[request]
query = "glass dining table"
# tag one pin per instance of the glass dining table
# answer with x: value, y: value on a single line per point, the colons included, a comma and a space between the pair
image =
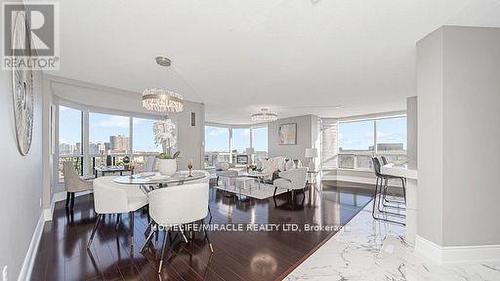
x: 150, y: 181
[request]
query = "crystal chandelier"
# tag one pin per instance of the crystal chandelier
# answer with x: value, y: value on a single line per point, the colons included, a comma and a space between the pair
x: 162, y: 100
x: 264, y: 115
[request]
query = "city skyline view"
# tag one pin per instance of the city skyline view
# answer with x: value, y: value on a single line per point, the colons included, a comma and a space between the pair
x: 359, y: 135
x: 101, y: 128
x: 217, y: 139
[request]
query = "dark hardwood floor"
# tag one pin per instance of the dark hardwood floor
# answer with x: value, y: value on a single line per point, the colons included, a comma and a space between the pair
x: 62, y: 253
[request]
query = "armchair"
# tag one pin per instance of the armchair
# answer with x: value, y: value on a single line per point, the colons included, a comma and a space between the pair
x: 73, y: 183
x: 291, y: 180
x: 270, y: 166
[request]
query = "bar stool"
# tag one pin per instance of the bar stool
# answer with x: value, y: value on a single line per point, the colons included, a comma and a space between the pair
x: 403, y: 182
x: 382, y: 198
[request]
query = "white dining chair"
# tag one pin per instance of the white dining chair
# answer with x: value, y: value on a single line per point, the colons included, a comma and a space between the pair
x: 114, y: 198
x: 175, y: 206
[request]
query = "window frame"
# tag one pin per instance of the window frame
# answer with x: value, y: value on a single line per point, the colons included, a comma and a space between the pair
x: 230, y: 140
x: 375, y: 151
x: 86, y: 157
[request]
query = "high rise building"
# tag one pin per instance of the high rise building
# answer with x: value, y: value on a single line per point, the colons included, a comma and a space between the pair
x: 119, y: 143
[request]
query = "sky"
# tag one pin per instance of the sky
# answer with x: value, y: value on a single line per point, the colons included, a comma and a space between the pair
x: 217, y: 139
x: 359, y: 135
x: 101, y: 126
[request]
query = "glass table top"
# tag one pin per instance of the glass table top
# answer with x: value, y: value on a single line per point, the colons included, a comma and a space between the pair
x: 156, y: 178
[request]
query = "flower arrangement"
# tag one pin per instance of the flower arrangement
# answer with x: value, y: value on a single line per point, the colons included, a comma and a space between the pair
x: 165, y: 136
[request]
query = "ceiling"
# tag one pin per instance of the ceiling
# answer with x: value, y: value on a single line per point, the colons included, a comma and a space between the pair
x: 294, y: 56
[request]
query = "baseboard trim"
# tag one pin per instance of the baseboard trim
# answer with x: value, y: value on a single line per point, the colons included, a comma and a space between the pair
x: 29, y: 259
x: 355, y: 179
x: 329, y: 178
x: 48, y: 212
x: 61, y: 196
x: 456, y: 254
x: 57, y: 197
x: 348, y: 179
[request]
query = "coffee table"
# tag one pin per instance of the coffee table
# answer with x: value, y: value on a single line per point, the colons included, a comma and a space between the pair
x: 241, y: 181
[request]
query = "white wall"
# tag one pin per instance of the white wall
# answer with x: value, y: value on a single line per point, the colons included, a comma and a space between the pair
x: 471, y: 135
x: 21, y: 176
x: 412, y: 131
x: 430, y: 137
x: 307, y: 136
x: 458, y: 136
x: 191, y: 139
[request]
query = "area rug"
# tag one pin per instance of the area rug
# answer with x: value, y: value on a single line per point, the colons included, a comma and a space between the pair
x: 263, y: 192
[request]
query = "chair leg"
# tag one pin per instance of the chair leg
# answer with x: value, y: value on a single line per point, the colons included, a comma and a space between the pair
x: 183, y: 235
x: 118, y: 217
x: 375, y: 198
x: 72, y: 200
x: 208, y: 240
x: 383, y: 191
x: 152, y: 231
x: 131, y: 218
x: 164, y: 246
x: 274, y: 196
x: 210, y: 214
x: 94, y: 230
x: 403, y: 182
x: 383, y: 188
x: 68, y: 196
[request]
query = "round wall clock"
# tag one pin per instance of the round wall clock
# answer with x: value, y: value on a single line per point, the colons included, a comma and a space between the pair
x: 22, y: 85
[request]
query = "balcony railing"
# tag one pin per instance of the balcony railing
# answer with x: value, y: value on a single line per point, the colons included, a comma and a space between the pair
x: 363, y: 160
x: 97, y: 160
x: 212, y: 158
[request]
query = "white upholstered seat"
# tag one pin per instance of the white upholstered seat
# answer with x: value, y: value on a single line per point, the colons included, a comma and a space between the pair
x: 114, y: 198
x: 178, y: 205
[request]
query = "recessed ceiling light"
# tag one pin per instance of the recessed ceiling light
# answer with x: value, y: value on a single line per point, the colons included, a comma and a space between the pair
x: 163, y: 61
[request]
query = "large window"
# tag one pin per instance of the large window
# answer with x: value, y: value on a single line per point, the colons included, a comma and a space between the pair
x: 241, y: 140
x: 144, y: 138
x: 391, y: 139
x: 108, y: 135
x: 87, y: 138
x: 143, y: 141
x: 359, y: 141
x: 70, y: 131
x: 70, y: 139
x: 356, y: 144
x: 259, y: 142
x: 216, y: 145
x: 226, y: 144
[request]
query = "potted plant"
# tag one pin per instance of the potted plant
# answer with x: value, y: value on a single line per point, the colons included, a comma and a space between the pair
x: 165, y: 136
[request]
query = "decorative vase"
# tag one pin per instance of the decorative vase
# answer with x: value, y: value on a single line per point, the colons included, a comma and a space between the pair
x: 167, y: 167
